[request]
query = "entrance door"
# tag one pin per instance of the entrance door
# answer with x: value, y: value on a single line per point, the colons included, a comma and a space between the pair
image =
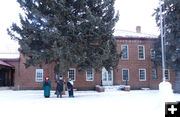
x: 107, y: 77
x: 2, y: 77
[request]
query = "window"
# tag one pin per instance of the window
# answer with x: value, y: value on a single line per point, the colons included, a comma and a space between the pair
x: 142, y: 74
x: 110, y: 75
x: 124, y: 51
x: 39, y: 75
x: 141, y: 52
x: 125, y: 74
x: 154, y: 74
x: 72, y: 73
x: 90, y: 75
x: 167, y: 75
x: 152, y: 53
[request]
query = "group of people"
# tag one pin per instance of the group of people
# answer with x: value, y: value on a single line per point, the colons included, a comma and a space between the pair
x: 59, y: 87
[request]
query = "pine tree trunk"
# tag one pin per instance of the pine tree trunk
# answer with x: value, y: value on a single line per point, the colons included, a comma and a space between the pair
x: 177, y: 82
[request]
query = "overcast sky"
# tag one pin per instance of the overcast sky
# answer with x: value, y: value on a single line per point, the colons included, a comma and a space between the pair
x: 137, y: 13
x: 132, y: 13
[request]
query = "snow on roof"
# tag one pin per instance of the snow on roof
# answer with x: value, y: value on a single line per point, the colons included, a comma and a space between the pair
x: 9, y: 55
x: 9, y: 50
x: 125, y: 33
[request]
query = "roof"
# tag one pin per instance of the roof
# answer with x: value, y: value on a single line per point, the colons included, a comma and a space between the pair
x: 5, y: 64
x: 13, y: 54
x: 130, y: 34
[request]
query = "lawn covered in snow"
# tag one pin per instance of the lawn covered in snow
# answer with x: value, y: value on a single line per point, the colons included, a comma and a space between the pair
x: 31, y: 103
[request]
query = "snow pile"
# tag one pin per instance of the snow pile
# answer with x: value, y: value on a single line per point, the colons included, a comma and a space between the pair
x: 85, y: 104
x: 166, y: 92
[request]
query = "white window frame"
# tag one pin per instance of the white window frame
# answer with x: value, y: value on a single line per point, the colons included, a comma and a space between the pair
x: 140, y: 75
x: 39, y: 72
x: 142, y: 53
x: 167, y: 78
x: 74, y: 73
x: 92, y: 76
x: 126, y: 52
x: 128, y: 74
x: 152, y: 53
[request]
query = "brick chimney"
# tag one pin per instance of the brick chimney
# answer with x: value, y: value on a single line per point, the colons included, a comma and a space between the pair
x: 138, y: 29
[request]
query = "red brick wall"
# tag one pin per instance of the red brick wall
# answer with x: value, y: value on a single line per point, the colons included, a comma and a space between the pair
x: 81, y: 83
x: 155, y: 83
x: 25, y: 78
x: 133, y: 64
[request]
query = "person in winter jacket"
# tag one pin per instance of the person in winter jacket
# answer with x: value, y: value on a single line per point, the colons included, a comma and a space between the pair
x: 59, y: 88
x: 70, y: 87
x: 47, y: 87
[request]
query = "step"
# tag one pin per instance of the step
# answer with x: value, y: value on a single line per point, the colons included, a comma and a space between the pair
x: 112, y: 88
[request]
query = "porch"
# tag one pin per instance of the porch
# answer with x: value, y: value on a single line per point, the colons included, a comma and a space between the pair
x: 6, y: 75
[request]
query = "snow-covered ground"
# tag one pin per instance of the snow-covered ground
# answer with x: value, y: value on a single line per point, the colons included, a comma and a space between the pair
x: 31, y: 103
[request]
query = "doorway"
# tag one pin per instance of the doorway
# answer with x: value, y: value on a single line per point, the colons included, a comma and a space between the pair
x: 2, y: 78
x: 107, y: 77
x: 6, y: 77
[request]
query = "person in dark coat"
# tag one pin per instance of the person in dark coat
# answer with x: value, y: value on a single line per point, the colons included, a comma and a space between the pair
x: 59, y: 88
x: 47, y: 87
x: 70, y: 87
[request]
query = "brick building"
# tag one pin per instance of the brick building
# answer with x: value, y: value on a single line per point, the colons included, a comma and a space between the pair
x: 135, y: 68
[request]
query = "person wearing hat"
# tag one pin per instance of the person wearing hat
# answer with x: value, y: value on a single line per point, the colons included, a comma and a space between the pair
x: 59, y: 88
x: 70, y: 87
x: 47, y: 87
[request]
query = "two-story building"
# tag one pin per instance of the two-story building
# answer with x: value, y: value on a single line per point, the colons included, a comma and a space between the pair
x: 135, y: 68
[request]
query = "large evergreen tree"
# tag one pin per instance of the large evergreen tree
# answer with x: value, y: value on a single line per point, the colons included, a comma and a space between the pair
x: 68, y: 33
x: 171, y: 22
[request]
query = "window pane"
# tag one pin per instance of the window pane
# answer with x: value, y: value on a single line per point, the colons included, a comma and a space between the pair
x: 39, y: 75
x: 89, y: 75
x: 109, y: 76
x: 142, y: 74
x: 71, y: 74
x: 124, y: 50
x: 167, y: 74
x: 152, y: 54
x: 104, y: 76
x: 154, y: 74
x: 141, y: 52
x: 125, y: 74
